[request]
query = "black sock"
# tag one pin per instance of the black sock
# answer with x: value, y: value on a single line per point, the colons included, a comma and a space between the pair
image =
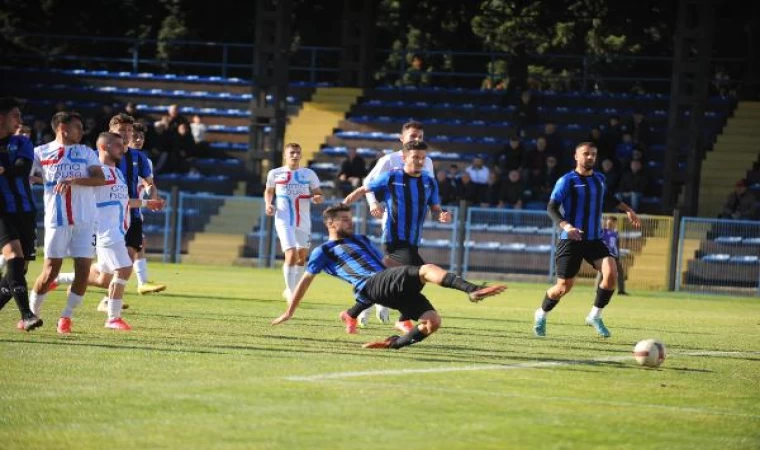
x: 5, y: 293
x: 357, y: 309
x: 603, y: 297
x: 17, y: 282
x: 548, y: 304
x: 451, y: 280
x: 412, y: 337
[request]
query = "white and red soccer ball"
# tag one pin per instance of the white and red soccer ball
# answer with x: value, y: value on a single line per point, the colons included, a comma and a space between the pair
x: 649, y: 353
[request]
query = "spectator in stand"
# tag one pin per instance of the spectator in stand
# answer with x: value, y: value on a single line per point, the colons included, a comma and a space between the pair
x: 512, y: 191
x: 371, y: 164
x: 740, y: 204
x: 184, y: 149
x: 493, y: 191
x: 453, y: 173
x: 416, y: 74
x: 163, y: 146
x: 543, y: 184
x: 479, y: 175
x: 535, y: 160
x: 555, y: 145
x: 632, y: 185
x: 91, y: 132
x: 175, y: 119
x: 103, y: 118
x: 131, y: 109
x: 624, y: 150
x: 352, y: 172
x: 512, y: 157
x: 611, y: 175
x: 612, y: 135
x: 721, y: 82
x: 199, y: 129
x: 595, y: 136
x: 526, y: 114
x: 39, y: 129
x: 640, y: 129
x: 448, y: 188
x: 469, y: 190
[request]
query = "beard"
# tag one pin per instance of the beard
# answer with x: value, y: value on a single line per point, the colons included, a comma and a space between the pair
x: 589, y: 166
x: 344, y: 233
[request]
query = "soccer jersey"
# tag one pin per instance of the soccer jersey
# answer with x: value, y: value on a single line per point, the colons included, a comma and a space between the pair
x: 134, y: 165
x: 353, y: 259
x: 15, y: 191
x: 408, y: 199
x: 389, y: 162
x: 112, y: 201
x: 76, y: 206
x: 582, y: 199
x: 292, y: 196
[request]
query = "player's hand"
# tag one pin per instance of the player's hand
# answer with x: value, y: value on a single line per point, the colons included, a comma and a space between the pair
x: 377, y: 211
x: 317, y: 198
x: 574, y: 233
x: 156, y: 204
x: 445, y: 217
x: 634, y: 218
x: 270, y: 210
x: 284, y: 317
x: 63, y: 185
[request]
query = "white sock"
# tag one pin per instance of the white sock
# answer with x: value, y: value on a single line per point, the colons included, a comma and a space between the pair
x: 141, y: 269
x: 35, y: 302
x: 595, y: 313
x: 364, y: 315
x: 291, y: 274
x: 541, y: 314
x: 2, y: 261
x: 72, y: 302
x: 299, y: 273
x: 65, y: 278
x: 114, y: 308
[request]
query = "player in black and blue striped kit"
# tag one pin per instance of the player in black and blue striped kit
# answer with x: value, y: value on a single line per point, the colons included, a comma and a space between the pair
x: 354, y: 259
x: 581, y: 194
x: 409, y: 193
x: 18, y: 227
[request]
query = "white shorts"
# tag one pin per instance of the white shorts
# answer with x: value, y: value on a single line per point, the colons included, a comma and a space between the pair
x: 74, y: 241
x: 112, y: 258
x: 293, y: 237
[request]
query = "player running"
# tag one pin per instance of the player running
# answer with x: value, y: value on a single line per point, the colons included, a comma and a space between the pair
x: 289, y: 192
x: 354, y: 259
x: 582, y: 193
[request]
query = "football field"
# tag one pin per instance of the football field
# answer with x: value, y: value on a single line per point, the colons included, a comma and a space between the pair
x: 203, y: 368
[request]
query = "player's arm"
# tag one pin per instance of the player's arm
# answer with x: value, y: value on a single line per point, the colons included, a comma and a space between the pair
x: 269, y: 193
x: 356, y: 194
x: 316, y: 191
x: 303, y: 286
x: 21, y: 167
x: 150, y: 187
x: 622, y: 206
x: 153, y: 204
x: 555, y: 200
x: 95, y: 177
x: 376, y: 186
x: 381, y: 167
x: 440, y: 214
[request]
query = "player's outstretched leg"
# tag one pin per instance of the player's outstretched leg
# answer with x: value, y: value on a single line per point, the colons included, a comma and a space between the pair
x: 604, y: 293
x: 430, y: 273
x: 551, y: 299
x: 115, y: 296
x: 429, y: 323
x: 349, y: 316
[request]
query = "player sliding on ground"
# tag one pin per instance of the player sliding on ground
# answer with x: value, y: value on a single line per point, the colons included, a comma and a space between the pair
x: 354, y: 259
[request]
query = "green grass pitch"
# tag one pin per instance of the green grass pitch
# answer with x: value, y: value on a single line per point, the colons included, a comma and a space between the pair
x: 204, y: 369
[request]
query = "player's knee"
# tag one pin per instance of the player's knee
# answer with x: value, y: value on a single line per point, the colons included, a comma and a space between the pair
x: 563, y: 287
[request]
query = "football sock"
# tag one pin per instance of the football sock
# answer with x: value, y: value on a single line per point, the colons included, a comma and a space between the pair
x: 595, y: 313
x: 35, y: 302
x: 114, y: 308
x: 603, y: 297
x: 5, y: 293
x: 547, y: 305
x: 140, y: 267
x: 288, y: 272
x: 451, y: 280
x: 412, y: 337
x: 72, y: 302
x: 357, y: 309
x: 297, y: 272
x: 14, y: 278
x: 65, y: 278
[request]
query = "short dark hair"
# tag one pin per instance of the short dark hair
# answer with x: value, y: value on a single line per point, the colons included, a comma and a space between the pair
x: 121, y: 118
x: 612, y: 218
x: 585, y: 144
x: 64, y: 117
x: 8, y: 103
x: 332, y: 212
x: 107, y: 136
x: 294, y: 145
x: 412, y: 124
x: 137, y: 127
x: 415, y: 145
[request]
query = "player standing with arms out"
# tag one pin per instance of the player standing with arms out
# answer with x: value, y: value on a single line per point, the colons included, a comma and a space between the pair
x: 582, y: 194
x: 409, y: 192
x: 18, y: 224
x: 70, y: 171
x: 113, y: 203
x: 410, y: 131
x: 289, y: 192
x: 354, y: 259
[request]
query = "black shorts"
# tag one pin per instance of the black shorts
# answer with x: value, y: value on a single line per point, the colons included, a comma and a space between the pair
x: 570, y: 255
x: 404, y: 253
x: 399, y: 288
x: 134, y: 236
x: 21, y: 226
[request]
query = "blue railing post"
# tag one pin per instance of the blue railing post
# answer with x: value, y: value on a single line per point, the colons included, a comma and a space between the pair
x: 454, y: 239
x: 466, y: 259
x: 180, y: 220
x: 224, y: 61
x: 679, y: 262
x: 167, y: 224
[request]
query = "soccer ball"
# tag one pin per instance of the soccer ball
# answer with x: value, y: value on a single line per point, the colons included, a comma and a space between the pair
x: 649, y: 353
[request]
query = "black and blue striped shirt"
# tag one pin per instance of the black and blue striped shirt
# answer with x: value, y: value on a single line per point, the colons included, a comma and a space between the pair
x: 134, y: 165
x: 582, y: 199
x: 407, y: 199
x: 15, y: 190
x: 353, y: 259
